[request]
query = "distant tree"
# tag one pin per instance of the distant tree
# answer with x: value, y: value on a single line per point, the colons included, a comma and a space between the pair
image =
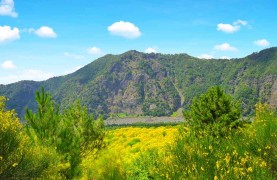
x: 214, y: 112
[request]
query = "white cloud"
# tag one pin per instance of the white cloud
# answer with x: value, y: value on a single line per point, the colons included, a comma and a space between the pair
x: 231, y: 28
x: 74, y: 56
x: 30, y: 74
x: 7, y: 8
x: 227, y: 28
x: 151, y: 50
x: 94, y: 50
x: 8, y: 34
x: 8, y: 65
x: 225, y: 47
x: 262, y: 42
x: 224, y: 57
x: 44, y: 32
x: 240, y: 22
x: 206, y: 56
x: 124, y: 29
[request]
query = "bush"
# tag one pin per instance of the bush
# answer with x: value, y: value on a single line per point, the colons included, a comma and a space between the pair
x: 214, y: 112
x: 10, y: 140
x: 246, y: 153
x: 18, y: 158
x: 264, y: 136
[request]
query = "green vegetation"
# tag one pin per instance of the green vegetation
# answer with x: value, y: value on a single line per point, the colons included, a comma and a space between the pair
x: 122, y: 115
x: 153, y: 107
x: 213, y: 144
x: 214, y: 112
x: 145, y: 84
x: 247, y: 151
x: 18, y: 156
x: 51, y: 144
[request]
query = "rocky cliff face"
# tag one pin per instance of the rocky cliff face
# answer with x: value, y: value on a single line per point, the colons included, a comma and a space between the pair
x: 154, y: 84
x: 137, y: 85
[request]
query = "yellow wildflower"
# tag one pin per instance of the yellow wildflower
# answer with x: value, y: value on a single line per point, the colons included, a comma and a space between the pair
x: 193, y: 167
x: 227, y: 158
x: 202, y: 168
x: 242, y: 173
x: 243, y: 161
x: 263, y: 164
x: 236, y: 170
x: 235, y: 153
x: 217, y: 164
x: 215, y: 178
x: 249, y: 169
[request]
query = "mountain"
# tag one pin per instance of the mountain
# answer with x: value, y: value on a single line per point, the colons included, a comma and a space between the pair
x: 154, y: 84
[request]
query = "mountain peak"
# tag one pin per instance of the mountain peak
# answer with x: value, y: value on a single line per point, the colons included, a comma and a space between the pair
x: 153, y: 84
x: 132, y: 52
x: 263, y: 55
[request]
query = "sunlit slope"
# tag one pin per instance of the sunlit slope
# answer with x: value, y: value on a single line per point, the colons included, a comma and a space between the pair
x: 154, y: 84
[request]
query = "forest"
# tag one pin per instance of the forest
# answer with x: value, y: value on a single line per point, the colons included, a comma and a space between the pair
x: 213, y: 142
x: 137, y: 83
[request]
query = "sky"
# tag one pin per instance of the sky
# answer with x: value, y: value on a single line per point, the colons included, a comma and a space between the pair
x: 46, y: 38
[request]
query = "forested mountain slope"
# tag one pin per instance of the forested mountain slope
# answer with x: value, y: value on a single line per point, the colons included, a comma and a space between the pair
x: 154, y: 84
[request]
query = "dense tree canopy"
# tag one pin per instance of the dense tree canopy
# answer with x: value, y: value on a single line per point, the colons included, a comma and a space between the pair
x: 214, y: 111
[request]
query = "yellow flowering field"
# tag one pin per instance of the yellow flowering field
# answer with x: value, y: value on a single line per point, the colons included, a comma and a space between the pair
x: 124, y: 146
x: 130, y: 141
x: 173, y: 152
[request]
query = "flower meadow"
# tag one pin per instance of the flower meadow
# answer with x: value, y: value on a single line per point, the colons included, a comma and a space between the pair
x: 143, y: 152
x: 174, y: 152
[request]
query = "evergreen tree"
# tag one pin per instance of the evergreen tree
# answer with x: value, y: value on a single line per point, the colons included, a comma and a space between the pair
x: 214, y: 112
x: 72, y: 133
x: 44, y: 123
x: 80, y: 134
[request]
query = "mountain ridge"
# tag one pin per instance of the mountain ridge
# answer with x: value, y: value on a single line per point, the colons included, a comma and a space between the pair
x: 150, y: 83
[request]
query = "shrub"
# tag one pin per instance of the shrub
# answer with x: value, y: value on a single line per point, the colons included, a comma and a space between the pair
x: 214, y: 112
x: 18, y: 158
x: 10, y: 140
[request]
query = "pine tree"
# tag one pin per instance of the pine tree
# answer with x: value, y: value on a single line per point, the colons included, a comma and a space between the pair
x: 214, y: 112
x: 44, y: 123
x: 72, y: 132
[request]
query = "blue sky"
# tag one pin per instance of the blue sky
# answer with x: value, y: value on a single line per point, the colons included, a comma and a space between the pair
x: 46, y: 38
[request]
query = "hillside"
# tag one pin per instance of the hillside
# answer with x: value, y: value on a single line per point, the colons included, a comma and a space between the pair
x: 154, y: 84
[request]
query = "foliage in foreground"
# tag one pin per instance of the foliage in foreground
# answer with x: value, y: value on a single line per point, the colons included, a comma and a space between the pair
x: 248, y: 151
x: 18, y: 158
x: 216, y: 146
x: 73, y: 133
x: 214, y: 112
x: 52, y: 144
